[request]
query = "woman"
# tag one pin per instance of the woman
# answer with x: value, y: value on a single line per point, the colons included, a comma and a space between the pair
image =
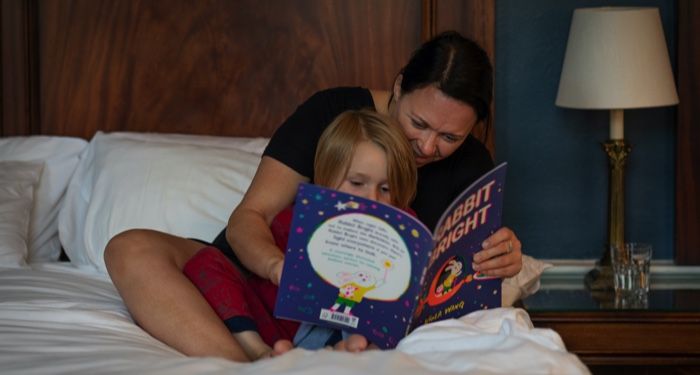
x: 438, y: 98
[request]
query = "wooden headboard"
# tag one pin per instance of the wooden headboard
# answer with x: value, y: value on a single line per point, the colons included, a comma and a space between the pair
x: 217, y: 67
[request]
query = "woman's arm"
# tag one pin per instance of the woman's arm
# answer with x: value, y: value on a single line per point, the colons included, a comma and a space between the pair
x: 273, y: 188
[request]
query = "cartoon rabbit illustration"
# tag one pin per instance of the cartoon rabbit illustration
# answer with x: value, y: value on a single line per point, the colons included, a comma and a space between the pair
x: 353, y: 288
x: 454, y: 267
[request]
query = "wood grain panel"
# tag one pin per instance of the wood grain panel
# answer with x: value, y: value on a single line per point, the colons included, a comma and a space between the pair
x: 210, y: 67
x: 429, y: 19
x: 688, y: 135
x: 19, y: 111
x: 475, y: 19
x: 619, y: 337
x: 205, y: 67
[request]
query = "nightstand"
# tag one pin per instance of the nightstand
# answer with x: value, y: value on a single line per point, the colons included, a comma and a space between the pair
x: 658, y: 335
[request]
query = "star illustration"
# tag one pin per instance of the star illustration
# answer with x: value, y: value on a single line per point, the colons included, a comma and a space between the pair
x: 340, y: 206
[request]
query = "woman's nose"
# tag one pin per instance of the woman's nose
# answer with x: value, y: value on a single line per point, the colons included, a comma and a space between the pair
x: 429, y: 144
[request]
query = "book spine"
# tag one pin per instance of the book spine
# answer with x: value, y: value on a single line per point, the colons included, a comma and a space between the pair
x: 421, y: 289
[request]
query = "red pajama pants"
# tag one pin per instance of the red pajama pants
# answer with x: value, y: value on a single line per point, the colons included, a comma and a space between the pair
x: 244, y: 304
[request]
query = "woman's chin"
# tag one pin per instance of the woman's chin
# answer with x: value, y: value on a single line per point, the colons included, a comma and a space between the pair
x: 421, y: 161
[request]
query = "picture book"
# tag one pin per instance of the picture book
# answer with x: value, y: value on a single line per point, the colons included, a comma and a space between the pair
x: 370, y: 268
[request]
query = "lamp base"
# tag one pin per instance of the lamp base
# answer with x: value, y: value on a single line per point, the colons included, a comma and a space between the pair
x: 600, y: 278
x: 599, y: 282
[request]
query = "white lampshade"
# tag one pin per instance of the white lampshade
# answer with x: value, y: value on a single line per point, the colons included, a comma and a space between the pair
x: 616, y: 58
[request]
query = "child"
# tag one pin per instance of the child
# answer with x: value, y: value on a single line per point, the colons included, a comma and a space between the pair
x: 361, y: 153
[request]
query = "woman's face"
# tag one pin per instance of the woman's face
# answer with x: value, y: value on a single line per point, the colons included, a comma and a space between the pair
x: 435, y: 124
x: 367, y: 175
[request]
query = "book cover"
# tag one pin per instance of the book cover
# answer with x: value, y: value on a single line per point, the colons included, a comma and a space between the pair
x: 370, y: 268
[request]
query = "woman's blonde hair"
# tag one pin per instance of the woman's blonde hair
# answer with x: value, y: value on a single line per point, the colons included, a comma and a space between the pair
x: 337, y: 144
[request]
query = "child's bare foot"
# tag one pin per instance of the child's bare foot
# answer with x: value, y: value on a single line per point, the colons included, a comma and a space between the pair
x: 354, y: 343
x: 281, y: 347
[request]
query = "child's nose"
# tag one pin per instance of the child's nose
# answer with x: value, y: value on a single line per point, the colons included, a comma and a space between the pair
x: 373, y: 194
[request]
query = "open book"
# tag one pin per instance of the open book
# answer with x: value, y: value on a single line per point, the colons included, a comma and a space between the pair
x: 369, y: 268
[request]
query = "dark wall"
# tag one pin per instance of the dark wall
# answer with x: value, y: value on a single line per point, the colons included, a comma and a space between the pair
x: 558, y: 174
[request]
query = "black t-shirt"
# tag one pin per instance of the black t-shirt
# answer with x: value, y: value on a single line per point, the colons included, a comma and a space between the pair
x: 294, y: 144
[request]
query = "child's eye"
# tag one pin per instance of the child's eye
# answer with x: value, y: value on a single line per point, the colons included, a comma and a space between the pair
x: 356, y: 183
x: 385, y: 189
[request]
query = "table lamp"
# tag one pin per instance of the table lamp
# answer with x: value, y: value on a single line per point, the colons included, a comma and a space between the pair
x: 616, y: 58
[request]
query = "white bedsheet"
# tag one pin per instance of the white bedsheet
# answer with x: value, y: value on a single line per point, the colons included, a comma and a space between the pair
x: 58, y: 319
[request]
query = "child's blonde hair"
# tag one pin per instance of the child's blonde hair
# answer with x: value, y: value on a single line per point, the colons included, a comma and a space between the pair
x: 337, y: 144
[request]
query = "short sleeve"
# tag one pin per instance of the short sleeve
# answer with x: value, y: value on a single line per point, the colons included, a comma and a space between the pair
x: 294, y: 142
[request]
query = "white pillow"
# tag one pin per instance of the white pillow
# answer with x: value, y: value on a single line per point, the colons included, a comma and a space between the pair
x: 17, y: 182
x: 60, y: 157
x: 180, y: 184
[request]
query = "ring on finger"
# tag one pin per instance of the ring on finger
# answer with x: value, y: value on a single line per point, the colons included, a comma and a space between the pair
x: 509, y: 247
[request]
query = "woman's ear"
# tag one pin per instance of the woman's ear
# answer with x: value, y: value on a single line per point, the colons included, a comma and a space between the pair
x: 397, y: 87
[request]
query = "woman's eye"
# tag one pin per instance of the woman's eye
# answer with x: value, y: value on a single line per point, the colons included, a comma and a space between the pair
x: 450, y: 138
x: 418, y: 125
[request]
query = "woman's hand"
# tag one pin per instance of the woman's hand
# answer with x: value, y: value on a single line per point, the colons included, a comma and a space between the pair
x: 273, y: 189
x: 501, y: 255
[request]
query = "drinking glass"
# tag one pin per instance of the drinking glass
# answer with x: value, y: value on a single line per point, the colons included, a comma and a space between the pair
x: 631, y: 267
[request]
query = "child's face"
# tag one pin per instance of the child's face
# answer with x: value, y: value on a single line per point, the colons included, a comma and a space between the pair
x: 367, y: 176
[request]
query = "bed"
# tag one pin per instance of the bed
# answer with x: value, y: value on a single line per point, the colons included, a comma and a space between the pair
x: 67, y: 317
x: 153, y: 114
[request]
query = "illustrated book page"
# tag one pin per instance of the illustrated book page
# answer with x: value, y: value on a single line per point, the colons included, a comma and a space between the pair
x: 370, y: 268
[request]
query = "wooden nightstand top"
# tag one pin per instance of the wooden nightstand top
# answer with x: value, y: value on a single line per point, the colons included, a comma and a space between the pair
x: 663, y: 329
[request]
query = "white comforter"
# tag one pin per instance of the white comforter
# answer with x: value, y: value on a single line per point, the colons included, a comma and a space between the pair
x: 58, y: 319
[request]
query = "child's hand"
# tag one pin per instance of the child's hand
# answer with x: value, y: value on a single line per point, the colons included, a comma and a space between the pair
x: 275, y: 270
